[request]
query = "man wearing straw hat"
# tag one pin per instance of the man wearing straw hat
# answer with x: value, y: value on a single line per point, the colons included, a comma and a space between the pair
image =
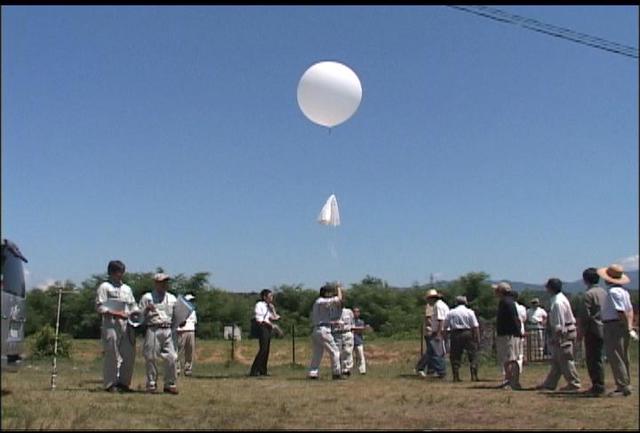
x: 617, y: 319
x: 434, y: 358
x: 158, y: 308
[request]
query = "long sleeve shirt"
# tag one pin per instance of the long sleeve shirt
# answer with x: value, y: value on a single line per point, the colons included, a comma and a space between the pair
x: 108, y: 292
x: 561, y: 318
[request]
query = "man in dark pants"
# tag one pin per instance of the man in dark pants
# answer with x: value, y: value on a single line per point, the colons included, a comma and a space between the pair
x: 465, y: 335
x: 591, y: 329
x: 264, y: 316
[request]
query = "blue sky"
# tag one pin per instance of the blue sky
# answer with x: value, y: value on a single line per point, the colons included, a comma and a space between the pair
x: 171, y: 136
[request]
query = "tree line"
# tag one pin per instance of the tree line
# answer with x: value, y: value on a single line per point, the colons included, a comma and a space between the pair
x: 391, y: 311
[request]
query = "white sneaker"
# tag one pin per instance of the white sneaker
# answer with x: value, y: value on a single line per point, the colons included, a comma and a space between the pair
x: 421, y: 373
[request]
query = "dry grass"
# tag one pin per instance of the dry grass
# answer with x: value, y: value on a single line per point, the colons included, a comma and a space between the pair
x: 220, y: 396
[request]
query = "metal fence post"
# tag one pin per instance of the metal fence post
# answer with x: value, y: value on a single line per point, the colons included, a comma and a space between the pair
x: 293, y: 343
x: 233, y: 338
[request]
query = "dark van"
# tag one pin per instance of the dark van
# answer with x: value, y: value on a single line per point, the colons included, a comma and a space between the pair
x: 13, y: 305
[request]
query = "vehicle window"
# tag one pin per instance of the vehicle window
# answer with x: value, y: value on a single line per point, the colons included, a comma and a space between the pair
x: 12, y: 275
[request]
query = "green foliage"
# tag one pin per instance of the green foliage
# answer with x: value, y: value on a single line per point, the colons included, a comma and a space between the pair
x: 389, y: 310
x: 43, y: 343
x: 475, y: 286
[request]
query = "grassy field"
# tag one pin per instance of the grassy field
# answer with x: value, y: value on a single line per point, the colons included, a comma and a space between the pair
x: 219, y: 395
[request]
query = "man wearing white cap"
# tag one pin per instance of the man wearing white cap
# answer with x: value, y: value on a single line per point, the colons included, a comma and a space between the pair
x: 187, y: 341
x: 617, y: 320
x: 465, y: 336
x: 157, y: 307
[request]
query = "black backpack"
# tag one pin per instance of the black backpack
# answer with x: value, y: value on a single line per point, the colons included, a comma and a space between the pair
x: 254, y: 329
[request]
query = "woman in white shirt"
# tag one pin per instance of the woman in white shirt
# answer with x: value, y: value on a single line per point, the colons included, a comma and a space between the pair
x: 264, y: 316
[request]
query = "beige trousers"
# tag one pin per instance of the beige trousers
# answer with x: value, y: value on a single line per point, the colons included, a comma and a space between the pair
x: 186, y: 350
x: 322, y: 339
x: 119, y: 345
x: 158, y: 343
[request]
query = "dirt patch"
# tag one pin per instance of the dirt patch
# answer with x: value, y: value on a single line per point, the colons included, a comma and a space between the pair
x: 382, y: 356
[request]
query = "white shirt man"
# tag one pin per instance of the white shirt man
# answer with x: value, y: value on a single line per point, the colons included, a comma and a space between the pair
x: 158, y: 307
x: 562, y: 325
x: 617, y: 323
x: 536, y: 317
x: 522, y: 315
x: 186, y: 338
x: 464, y: 335
x: 437, y: 342
x: 343, y: 336
x: 115, y: 302
x: 321, y: 337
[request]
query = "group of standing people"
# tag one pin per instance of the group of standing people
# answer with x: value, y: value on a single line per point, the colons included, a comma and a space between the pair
x: 605, y: 321
x: 336, y: 329
x: 120, y: 317
x: 454, y: 330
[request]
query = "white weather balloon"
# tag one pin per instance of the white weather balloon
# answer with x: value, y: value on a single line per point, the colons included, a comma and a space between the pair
x: 329, y: 93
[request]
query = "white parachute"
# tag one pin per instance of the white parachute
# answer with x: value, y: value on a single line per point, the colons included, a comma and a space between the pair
x: 330, y: 215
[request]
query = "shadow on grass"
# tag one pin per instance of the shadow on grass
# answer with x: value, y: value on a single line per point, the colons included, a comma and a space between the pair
x: 571, y: 394
x: 6, y: 392
x: 501, y: 386
x: 218, y: 376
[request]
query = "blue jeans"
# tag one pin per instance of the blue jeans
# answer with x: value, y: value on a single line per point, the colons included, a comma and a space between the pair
x: 431, y: 360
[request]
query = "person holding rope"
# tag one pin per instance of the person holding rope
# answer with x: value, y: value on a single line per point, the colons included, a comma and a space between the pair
x: 322, y: 312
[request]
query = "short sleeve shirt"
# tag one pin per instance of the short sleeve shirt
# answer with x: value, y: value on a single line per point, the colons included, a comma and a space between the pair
x: 323, y: 310
x: 440, y: 311
x: 617, y: 300
x: 461, y: 317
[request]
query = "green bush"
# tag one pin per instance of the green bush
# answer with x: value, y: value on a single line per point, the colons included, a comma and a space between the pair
x: 43, y: 343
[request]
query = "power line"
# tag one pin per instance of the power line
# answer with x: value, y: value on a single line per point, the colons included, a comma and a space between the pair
x: 568, y: 34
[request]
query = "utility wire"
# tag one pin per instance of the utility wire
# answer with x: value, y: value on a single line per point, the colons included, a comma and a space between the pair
x: 531, y: 24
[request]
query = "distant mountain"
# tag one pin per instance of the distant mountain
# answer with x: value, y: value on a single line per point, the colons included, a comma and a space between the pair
x: 571, y: 286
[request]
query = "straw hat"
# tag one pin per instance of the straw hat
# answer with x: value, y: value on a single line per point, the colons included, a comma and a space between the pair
x: 160, y: 276
x: 433, y: 293
x: 502, y: 287
x: 614, y: 274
